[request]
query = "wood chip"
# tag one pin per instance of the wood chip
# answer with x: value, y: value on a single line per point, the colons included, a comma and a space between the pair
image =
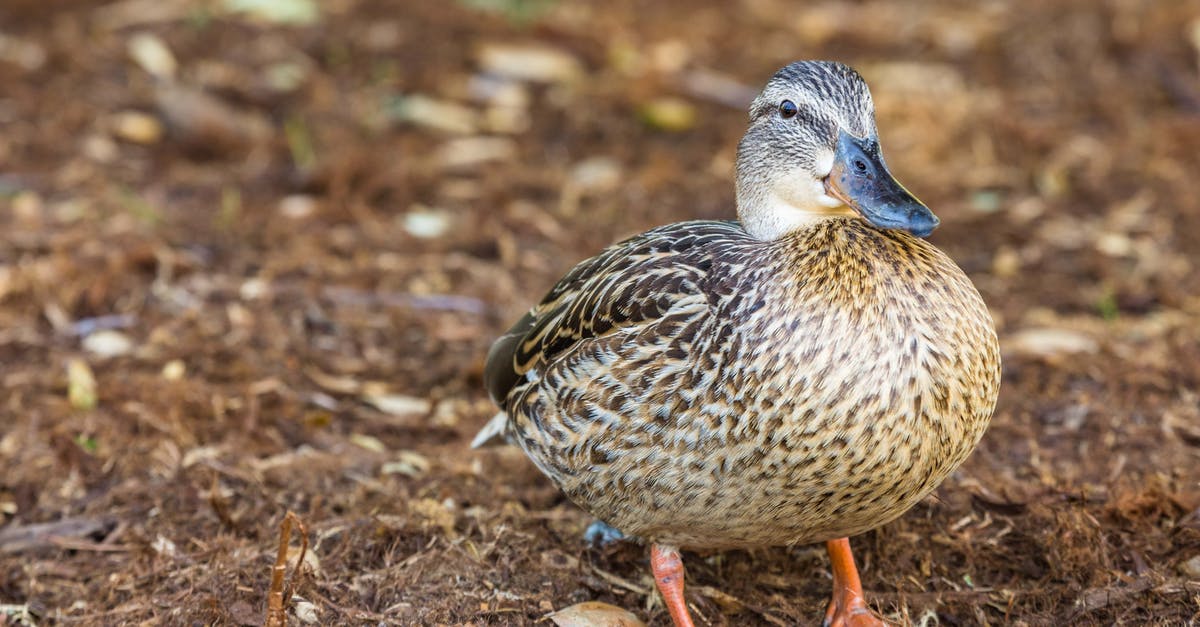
x: 398, y: 404
x: 81, y: 385
x: 136, y: 127
x: 108, y: 344
x: 533, y: 63
x: 1050, y: 342
x: 152, y: 55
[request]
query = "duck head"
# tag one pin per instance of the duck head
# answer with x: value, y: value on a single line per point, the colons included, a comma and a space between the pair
x: 812, y: 152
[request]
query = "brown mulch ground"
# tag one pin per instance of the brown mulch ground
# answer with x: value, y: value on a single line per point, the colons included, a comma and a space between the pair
x: 280, y: 252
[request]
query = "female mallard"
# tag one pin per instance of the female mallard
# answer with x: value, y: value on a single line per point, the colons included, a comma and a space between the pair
x: 804, y: 374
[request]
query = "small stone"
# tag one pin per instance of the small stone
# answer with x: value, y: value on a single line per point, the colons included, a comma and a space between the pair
x: 108, y: 343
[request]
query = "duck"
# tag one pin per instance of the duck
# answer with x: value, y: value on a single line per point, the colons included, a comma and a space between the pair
x: 802, y: 374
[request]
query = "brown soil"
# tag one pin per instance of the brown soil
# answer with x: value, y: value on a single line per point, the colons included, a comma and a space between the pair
x: 278, y: 338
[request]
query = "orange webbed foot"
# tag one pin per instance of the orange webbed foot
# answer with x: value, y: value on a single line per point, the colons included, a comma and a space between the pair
x: 845, y: 611
x: 668, y: 575
x: 847, y: 608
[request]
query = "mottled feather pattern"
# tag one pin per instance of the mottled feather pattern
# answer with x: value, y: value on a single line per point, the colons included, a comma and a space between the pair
x: 594, y: 298
x: 697, y: 387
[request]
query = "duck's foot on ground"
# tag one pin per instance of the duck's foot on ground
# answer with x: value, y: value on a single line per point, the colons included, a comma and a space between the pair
x: 847, y: 608
x: 667, y: 567
x: 850, y: 612
x: 600, y: 534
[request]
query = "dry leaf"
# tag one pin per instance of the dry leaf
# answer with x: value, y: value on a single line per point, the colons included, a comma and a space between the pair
x: 595, y: 614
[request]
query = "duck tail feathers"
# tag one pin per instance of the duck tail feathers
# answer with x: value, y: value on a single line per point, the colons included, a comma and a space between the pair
x: 494, y: 433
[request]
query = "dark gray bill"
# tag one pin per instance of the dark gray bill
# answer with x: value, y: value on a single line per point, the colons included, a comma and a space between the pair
x: 861, y: 180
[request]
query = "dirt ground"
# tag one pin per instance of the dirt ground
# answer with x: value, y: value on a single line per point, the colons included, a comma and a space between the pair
x: 251, y: 265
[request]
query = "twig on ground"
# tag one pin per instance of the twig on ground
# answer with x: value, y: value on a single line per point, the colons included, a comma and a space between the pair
x: 276, y: 615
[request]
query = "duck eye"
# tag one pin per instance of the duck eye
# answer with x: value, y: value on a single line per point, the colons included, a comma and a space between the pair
x: 788, y: 109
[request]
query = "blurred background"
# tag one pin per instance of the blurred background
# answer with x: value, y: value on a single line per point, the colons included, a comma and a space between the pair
x: 252, y: 253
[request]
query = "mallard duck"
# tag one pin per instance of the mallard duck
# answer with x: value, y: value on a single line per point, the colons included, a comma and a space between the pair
x: 803, y: 374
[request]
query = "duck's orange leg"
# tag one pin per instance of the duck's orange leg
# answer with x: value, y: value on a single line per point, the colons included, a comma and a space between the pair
x: 847, y: 608
x: 668, y: 575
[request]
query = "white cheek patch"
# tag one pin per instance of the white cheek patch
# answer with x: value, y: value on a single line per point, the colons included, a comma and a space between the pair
x: 798, y: 188
x: 824, y: 165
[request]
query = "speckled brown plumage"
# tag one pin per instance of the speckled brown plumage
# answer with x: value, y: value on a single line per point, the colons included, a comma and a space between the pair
x: 806, y: 373
x: 808, y: 388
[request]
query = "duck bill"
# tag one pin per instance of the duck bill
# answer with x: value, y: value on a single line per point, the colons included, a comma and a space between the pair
x: 860, y: 179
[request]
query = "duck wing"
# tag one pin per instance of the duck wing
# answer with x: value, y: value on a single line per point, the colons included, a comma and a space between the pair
x: 633, y: 283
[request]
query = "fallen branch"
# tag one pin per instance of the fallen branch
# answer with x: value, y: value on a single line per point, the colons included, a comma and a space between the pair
x: 57, y: 534
x: 1099, y: 598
